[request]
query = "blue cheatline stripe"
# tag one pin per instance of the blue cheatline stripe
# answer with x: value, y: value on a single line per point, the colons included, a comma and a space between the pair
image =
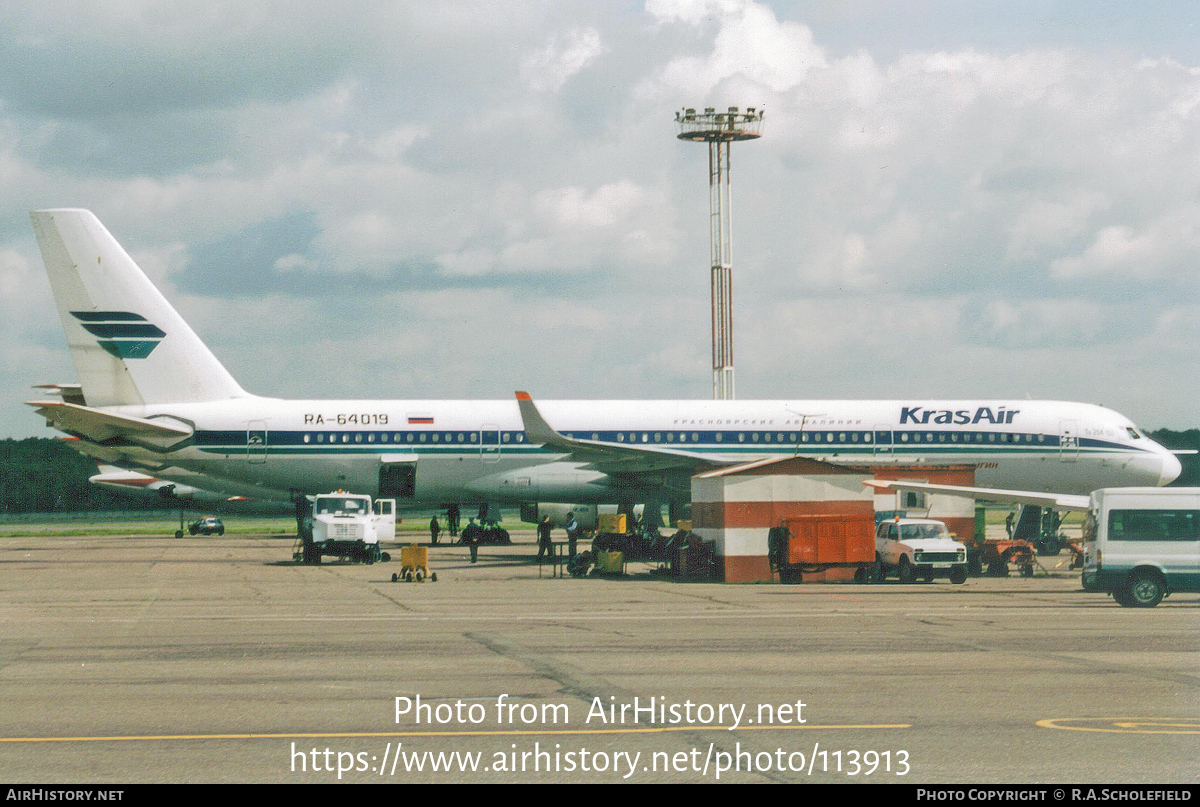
x: 449, y: 442
x: 107, y: 316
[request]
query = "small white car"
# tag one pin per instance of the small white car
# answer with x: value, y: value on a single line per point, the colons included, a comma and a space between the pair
x: 918, y: 547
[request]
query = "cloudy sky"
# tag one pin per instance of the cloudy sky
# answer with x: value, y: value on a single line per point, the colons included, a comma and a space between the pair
x: 456, y: 200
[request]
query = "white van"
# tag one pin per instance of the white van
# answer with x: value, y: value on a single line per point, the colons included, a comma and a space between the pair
x: 1142, y: 544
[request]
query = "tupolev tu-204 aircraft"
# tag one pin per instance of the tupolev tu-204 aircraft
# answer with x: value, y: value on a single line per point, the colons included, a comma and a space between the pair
x: 152, y: 396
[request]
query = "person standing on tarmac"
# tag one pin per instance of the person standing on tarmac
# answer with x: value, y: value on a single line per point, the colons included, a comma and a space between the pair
x: 572, y: 534
x: 544, y: 545
x: 470, y: 537
x: 434, y: 530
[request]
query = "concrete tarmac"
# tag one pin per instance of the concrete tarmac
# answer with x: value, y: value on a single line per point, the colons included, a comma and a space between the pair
x: 150, y: 659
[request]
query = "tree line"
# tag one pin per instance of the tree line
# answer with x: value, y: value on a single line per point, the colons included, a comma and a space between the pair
x: 1190, y: 439
x: 45, y: 475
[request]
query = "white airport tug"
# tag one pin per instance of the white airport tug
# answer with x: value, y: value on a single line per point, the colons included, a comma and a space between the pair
x: 347, y: 525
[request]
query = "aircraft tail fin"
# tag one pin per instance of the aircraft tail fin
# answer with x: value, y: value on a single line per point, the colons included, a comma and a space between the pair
x: 129, y: 345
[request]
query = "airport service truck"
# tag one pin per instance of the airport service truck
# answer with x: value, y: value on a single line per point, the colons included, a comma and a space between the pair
x: 348, y: 525
x: 918, y: 547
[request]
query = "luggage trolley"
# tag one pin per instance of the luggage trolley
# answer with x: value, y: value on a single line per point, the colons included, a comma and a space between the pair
x: 414, y: 565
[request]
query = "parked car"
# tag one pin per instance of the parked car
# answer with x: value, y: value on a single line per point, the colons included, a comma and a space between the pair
x: 918, y: 547
x: 209, y: 525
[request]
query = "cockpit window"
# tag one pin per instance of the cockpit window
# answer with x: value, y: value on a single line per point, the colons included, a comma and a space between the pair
x: 1133, y: 433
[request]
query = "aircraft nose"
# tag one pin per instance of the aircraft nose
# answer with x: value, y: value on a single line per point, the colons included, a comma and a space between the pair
x: 1171, y: 468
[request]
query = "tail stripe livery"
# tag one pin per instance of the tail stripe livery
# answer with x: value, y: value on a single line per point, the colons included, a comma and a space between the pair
x: 106, y: 316
x: 128, y: 343
x: 123, y: 334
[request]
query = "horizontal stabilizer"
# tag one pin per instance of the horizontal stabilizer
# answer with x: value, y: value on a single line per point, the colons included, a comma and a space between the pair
x: 99, y: 426
x: 1057, y: 501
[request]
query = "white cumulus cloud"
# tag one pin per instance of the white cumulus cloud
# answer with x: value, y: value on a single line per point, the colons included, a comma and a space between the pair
x: 550, y: 67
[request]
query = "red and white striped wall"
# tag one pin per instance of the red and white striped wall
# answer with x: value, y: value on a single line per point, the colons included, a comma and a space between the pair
x: 733, y: 508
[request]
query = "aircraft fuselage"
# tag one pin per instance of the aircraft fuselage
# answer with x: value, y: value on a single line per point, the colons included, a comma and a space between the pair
x: 469, y: 451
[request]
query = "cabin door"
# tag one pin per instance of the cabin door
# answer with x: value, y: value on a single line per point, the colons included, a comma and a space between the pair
x: 256, y: 442
x: 1068, y: 440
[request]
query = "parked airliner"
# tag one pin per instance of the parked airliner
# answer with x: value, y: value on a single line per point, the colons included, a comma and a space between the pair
x: 152, y: 396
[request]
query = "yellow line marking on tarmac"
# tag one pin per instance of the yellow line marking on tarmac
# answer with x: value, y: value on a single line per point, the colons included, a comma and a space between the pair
x: 1127, y: 725
x: 384, y: 734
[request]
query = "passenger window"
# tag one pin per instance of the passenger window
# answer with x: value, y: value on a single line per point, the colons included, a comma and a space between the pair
x: 1153, y: 525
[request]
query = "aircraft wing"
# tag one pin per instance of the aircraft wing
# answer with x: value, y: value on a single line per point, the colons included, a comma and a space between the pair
x: 606, y: 457
x: 100, y: 426
x: 1057, y: 501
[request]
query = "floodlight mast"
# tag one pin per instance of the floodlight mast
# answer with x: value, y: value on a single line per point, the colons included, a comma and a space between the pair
x: 719, y: 130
